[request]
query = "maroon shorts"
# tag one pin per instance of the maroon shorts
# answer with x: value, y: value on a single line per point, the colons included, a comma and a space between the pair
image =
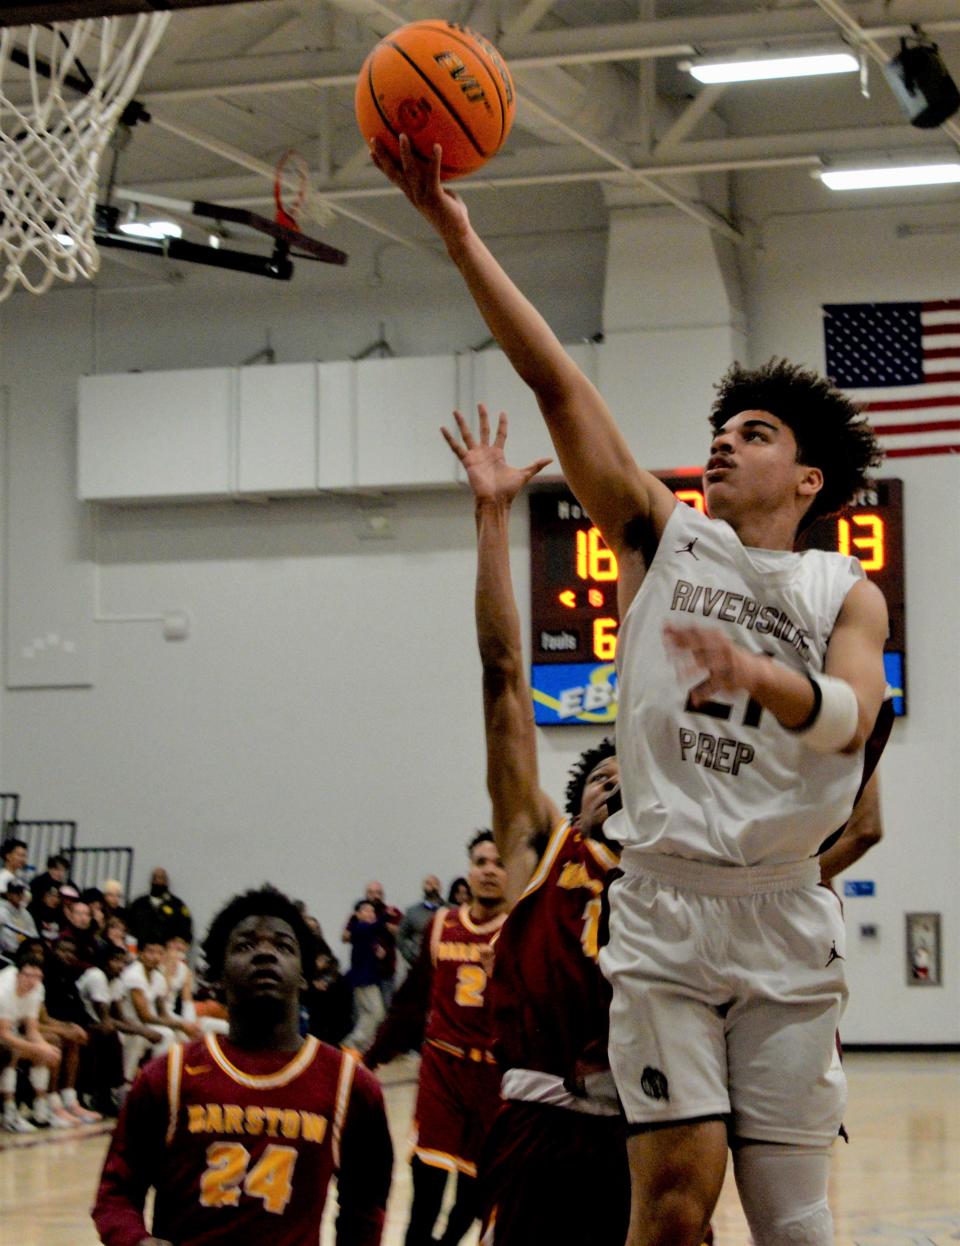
x: 457, y: 1100
x: 552, y: 1175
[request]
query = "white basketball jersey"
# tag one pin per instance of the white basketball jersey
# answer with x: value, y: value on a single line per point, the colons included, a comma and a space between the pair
x: 726, y: 782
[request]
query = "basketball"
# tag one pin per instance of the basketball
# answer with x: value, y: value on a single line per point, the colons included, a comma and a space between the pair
x: 437, y: 82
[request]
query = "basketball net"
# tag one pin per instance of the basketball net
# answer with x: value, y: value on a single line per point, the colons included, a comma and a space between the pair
x: 294, y: 194
x: 63, y: 89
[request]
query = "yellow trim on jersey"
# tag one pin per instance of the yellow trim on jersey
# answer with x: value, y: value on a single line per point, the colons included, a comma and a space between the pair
x: 550, y: 854
x: 604, y: 856
x: 174, y: 1075
x: 348, y: 1067
x: 441, y: 1159
x: 493, y: 925
x: 436, y: 932
x: 265, y: 1081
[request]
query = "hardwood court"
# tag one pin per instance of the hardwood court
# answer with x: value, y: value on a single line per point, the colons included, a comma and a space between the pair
x: 898, y: 1181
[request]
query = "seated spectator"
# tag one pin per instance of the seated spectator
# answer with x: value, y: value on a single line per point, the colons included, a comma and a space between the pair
x: 78, y: 921
x: 327, y: 999
x: 98, y: 918
x: 16, y: 923
x: 13, y: 859
x: 417, y: 918
x: 115, y: 934
x: 57, y: 874
x: 63, y: 1021
x: 47, y: 913
x: 180, y: 989
x: 101, y: 1062
x: 114, y: 901
x: 459, y: 893
x: 21, y: 997
x: 151, y: 1024
x: 364, y: 932
x: 159, y: 915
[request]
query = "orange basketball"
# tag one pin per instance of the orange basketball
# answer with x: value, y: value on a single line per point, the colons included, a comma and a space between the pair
x: 437, y: 82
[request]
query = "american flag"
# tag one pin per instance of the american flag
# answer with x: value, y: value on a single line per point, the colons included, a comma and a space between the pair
x: 903, y: 361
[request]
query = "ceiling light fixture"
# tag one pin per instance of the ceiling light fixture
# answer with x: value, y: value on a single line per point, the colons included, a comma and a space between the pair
x: 890, y: 175
x: 764, y: 68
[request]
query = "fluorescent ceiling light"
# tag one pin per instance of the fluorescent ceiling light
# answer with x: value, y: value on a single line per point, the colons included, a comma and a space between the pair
x: 905, y: 175
x: 151, y: 229
x: 772, y: 67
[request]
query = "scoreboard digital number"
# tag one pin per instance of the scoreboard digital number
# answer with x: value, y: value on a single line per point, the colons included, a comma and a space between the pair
x: 573, y: 591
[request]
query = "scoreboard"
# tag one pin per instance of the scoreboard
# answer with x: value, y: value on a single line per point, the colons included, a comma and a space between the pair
x: 573, y: 591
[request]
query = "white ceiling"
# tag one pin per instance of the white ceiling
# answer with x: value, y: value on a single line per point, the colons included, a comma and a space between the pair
x: 604, y: 115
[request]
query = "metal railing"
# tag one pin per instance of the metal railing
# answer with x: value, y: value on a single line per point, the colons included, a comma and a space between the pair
x: 91, y: 867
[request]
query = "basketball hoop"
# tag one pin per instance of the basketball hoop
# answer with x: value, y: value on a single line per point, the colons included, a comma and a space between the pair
x: 294, y: 195
x: 63, y: 89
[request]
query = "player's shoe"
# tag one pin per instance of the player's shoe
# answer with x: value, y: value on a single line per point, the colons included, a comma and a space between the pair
x: 16, y: 1123
x: 51, y: 1117
x: 82, y: 1115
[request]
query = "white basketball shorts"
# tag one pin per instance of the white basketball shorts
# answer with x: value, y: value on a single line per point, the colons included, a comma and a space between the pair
x: 728, y: 988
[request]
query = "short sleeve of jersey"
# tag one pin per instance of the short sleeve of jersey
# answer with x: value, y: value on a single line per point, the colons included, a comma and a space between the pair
x: 134, y: 977
x: 93, y: 985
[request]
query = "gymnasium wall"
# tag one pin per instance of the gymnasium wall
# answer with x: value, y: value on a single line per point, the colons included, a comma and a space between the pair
x: 321, y: 724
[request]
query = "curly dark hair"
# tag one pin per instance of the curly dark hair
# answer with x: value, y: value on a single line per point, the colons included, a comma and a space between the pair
x: 581, y: 770
x: 265, y: 901
x: 831, y: 431
x: 483, y: 836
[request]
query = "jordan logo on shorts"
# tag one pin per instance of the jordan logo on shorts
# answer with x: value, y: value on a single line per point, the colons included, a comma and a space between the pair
x: 654, y: 1085
x: 834, y: 954
x: 688, y: 549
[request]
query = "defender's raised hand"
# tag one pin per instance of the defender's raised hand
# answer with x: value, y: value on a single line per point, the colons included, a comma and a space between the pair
x: 491, y: 477
x: 420, y: 182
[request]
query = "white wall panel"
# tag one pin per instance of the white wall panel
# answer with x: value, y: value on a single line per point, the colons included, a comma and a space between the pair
x: 277, y: 436
x: 401, y: 404
x: 168, y: 434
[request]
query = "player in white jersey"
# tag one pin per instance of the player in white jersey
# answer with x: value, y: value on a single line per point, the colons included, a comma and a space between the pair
x: 738, y: 757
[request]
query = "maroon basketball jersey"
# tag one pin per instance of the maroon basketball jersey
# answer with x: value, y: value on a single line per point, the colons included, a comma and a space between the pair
x: 462, y: 956
x: 240, y: 1147
x: 550, y: 1000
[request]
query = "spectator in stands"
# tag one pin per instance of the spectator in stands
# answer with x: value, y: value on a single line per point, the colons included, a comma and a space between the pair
x: 57, y: 874
x: 47, y: 913
x: 13, y: 859
x: 159, y: 914
x: 389, y: 918
x: 459, y: 893
x: 327, y: 998
x: 16, y: 922
x: 63, y: 1021
x: 78, y: 921
x: 101, y: 1063
x: 21, y: 997
x: 114, y: 902
x: 417, y: 917
x: 365, y: 934
x: 98, y: 918
x: 115, y: 933
x: 179, y: 978
x: 144, y: 1007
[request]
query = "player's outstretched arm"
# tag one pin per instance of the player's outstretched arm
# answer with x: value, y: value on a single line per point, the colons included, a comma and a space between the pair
x: 593, y: 453
x: 523, y: 815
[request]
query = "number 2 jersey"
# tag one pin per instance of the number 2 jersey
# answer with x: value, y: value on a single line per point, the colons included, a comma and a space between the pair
x: 725, y: 782
x: 240, y: 1147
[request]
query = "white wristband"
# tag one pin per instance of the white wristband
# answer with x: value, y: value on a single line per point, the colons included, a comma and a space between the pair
x: 834, y: 718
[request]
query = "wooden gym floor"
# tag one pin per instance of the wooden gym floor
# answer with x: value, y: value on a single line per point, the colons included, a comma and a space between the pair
x: 897, y: 1183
